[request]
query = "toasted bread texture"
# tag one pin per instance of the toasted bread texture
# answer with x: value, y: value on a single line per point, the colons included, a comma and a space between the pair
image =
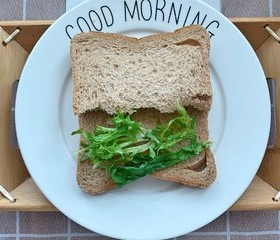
x: 117, y: 73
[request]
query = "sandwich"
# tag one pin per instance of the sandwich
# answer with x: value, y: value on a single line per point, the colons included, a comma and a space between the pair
x: 149, y: 82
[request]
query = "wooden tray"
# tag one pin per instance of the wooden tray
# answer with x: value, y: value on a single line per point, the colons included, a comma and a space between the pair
x: 15, y: 177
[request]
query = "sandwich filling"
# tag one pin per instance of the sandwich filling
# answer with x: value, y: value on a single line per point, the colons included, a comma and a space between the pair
x: 128, y: 151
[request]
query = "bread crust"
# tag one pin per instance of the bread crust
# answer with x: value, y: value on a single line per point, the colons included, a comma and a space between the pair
x: 99, y: 93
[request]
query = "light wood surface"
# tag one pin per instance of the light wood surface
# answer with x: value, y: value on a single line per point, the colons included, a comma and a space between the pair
x: 258, y: 196
x: 269, y: 55
x: 12, y: 59
x: 269, y: 169
x: 29, y: 198
x: 30, y: 33
x: 253, y: 29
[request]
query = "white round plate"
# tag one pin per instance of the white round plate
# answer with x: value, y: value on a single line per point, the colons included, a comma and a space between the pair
x: 147, y: 209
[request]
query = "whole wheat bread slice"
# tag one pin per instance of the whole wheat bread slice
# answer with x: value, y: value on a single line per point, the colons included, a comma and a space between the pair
x: 117, y: 73
x: 113, y: 72
x: 199, y: 171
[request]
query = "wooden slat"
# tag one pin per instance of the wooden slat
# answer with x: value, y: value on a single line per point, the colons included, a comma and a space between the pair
x: 28, y: 198
x: 270, y: 167
x: 257, y: 197
x: 269, y: 55
x: 253, y: 29
x: 30, y: 33
x: 12, y: 59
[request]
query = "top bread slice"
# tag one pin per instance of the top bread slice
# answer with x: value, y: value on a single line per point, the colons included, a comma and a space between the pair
x: 113, y: 73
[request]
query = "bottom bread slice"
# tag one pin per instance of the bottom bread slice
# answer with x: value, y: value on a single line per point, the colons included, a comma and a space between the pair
x: 200, y: 171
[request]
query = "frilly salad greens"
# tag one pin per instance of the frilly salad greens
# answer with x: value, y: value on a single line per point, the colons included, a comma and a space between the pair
x: 128, y: 151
